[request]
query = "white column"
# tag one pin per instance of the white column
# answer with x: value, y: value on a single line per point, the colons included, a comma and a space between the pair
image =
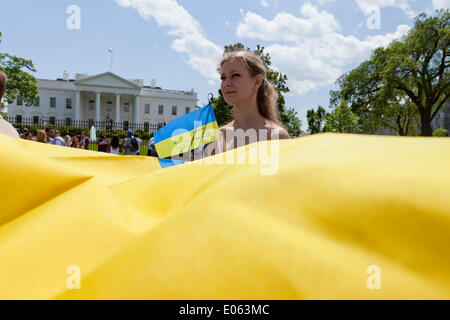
x: 117, y: 119
x: 77, y: 105
x: 136, y: 109
x: 97, y: 107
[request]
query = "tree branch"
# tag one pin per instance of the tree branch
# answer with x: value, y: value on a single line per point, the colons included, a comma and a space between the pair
x: 440, y: 106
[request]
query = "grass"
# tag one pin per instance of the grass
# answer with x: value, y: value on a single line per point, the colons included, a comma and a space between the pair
x: 142, y: 150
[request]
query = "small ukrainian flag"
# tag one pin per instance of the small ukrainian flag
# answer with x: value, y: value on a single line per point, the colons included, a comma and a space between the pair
x: 186, y: 133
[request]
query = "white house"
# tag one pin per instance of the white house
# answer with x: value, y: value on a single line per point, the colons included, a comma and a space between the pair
x: 104, y: 97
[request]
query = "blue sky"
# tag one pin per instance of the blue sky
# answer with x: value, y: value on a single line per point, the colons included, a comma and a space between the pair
x: 179, y: 43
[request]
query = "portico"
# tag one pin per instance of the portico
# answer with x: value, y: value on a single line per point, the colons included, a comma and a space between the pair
x: 107, y: 96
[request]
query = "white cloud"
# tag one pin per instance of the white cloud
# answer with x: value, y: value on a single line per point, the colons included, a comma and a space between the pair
x: 441, y: 4
x: 289, y: 27
x: 314, y: 51
x: 202, y: 54
x: 264, y: 3
x: 366, y: 6
x: 322, y: 2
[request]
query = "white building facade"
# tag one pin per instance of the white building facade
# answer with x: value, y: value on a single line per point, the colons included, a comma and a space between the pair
x: 105, y: 97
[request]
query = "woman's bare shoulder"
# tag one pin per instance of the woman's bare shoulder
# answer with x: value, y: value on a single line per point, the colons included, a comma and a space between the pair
x: 276, y: 129
x: 226, y: 127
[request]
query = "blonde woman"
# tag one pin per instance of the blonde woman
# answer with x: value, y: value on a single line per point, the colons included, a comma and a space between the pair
x: 68, y: 141
x: 41, y: 136
x: 254, y: 100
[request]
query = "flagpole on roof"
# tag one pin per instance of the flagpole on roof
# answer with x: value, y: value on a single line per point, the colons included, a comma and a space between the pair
x: 112, y: 57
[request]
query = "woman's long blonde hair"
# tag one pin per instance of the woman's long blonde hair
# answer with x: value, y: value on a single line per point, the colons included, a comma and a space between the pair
x: 267, y: 96
x: 41, y: 136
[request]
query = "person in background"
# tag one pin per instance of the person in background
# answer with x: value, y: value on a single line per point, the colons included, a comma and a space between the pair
x: 103, y: 144
x: 50, y: 135
x: 28, y: 136
x: 128, y: 145
x: 24, y: 134
x: 84, y: 141
x: 5, y: 127
x: 41, y: 136
x: 58, y: 140
x: 115, y: 147
x: 139, y: 142
x: 68, y: 141
x: 76, y: 142
x: 151, y: 148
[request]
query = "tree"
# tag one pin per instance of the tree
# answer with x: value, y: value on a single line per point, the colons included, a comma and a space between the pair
x: 416, y: 66
x: 20, y: 82
x: 399, y: 116
x: 342, y: 119
x: 316, y: 120
x: 224, y: 112
x: 294, y: 124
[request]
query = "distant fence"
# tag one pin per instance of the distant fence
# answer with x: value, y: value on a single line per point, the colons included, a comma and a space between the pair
x: 43, y: 122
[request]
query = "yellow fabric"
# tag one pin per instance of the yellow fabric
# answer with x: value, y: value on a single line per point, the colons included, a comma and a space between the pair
x: 337, y: 205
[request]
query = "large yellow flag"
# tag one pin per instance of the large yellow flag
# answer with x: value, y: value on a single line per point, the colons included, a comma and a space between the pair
x: 321, y: 217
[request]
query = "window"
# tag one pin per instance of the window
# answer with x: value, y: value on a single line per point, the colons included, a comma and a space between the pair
x: 160, y: 125
x: 18, y: 118
x: 52, y: 120
x: 109, y: 106
x: 174, y: 110
x: 68, y: 103
x: 125, y: 125
x: 68, y: 121
x: 19, y: 101
x: 126, y: 107
x: 146, y: 126
x: 187, y: 110
x: 52, y: 102
x: 147, y: 108
x: 36, y: 120
x: 160, y: 109
x: 37, y: 101
x: 91, y: 105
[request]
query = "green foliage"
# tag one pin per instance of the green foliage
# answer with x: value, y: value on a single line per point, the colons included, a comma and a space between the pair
x: 316, y: 120
x: 415, y: 67
x: 342, y: 119
x: 399, y: 116
x: 20, y: 82
x: 224, y: 112
x: 440, y: 132
x: 294, y: 124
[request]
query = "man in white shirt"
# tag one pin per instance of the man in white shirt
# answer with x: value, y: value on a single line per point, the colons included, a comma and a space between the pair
x: 139, y: 142
x: 57, y: 140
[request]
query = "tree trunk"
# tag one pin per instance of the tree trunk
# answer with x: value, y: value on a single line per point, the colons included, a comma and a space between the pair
x: 425, y: 120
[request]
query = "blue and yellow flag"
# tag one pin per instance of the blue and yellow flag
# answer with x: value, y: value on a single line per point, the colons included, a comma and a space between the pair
x: 186, y: 133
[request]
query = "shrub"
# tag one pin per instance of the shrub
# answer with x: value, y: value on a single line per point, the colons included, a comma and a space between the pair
x: 440, y: 132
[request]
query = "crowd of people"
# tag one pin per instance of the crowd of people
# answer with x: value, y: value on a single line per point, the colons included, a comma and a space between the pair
x: 131, y: 145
